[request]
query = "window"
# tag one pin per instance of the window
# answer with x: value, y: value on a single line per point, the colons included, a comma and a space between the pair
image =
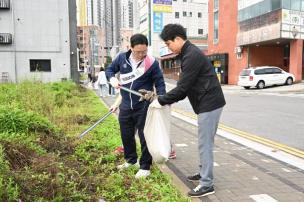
x: 268, y: 71
x: 216, y: 4
x: 40, y: 65
x: 275, y: 4
x: 216, y: 27
x: 276, y: 71
x: 176, y: 14
x: 200, y: 31
x: 199, y: 14
x: 295, y: 5
x: 184, y: 13
x: 259, y: 71
x: 286, y: 4
x: 245, y: 72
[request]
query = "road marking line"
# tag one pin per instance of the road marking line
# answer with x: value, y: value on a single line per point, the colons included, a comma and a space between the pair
x: 262, y: 198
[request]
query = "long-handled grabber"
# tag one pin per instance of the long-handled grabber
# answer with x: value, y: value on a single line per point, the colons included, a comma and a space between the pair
x: 95, y: 124
x: 130, y: 91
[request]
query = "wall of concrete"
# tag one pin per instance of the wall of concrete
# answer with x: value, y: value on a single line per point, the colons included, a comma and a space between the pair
x: 40, y: 31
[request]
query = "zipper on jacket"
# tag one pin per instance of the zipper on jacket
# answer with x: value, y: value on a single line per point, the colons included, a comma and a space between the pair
x: 128, y: 62
x: 131, y: 103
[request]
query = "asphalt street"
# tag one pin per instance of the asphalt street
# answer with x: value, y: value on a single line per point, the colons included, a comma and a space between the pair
x: 275, y: 116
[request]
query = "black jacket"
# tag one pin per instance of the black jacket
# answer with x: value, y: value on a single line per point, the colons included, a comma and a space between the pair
x: 198, y: 81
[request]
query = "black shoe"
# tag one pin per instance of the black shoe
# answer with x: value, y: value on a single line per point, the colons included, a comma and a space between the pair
x: 200, y: 191
x: 195, y: 177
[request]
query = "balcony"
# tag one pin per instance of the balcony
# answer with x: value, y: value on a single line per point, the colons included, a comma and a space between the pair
x: 6, y: 38
x: 4, y: 4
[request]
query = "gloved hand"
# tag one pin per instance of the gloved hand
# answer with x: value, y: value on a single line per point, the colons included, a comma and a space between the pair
x: 116, y: 104
x: 114, y: 82
x: 155, y: 104
x: 147, y: 95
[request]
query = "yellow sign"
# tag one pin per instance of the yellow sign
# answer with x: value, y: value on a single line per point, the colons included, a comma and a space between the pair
x: 217, y: 63
x: 162, y: 8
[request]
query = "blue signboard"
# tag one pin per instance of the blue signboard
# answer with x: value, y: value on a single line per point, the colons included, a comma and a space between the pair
x: 164, y: 2
x: 157, y: 22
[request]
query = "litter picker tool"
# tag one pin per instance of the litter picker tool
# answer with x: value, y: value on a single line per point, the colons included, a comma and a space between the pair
x: 109, y: 113
x: 95, y: 124
x: 130, y: 91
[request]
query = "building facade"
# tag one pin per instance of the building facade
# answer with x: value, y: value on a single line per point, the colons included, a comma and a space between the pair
x: 249, y: 33
x: 90, y: 44
x: 155, y: 14
x: 39, y: 40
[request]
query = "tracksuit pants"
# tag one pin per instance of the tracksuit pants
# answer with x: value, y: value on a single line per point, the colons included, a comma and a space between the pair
x: 131, y: 120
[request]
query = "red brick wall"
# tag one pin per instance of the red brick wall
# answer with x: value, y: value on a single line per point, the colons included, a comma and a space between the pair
x: 271, y: 56
x: 296, y: 51
x: 228, y: 28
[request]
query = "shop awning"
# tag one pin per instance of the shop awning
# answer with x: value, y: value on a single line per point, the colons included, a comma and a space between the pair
x: 169, y: 56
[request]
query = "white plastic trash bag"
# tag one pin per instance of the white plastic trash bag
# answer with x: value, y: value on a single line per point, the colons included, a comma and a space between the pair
x: 157, y: 133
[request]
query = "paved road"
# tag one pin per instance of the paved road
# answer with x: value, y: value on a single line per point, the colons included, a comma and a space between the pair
x: 278, y: 116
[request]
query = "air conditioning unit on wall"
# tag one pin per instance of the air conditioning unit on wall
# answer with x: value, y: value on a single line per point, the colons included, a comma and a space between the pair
x: 6, y: 38
x: 4, y: 4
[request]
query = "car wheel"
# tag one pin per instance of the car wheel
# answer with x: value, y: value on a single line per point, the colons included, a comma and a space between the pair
x: 289, y: 81
x: 260, y: 85
x: 246, y: 87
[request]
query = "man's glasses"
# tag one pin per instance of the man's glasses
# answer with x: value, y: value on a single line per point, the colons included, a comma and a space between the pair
x: 140, y: 52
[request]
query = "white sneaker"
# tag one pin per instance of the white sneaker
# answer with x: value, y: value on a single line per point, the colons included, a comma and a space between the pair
x: 142, y: 173
x: 127, y: 165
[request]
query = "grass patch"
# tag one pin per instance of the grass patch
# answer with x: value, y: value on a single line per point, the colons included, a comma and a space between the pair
x: 43, y: 159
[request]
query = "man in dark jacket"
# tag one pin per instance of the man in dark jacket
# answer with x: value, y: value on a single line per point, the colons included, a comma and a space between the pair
x: 137, y: 71
x: 199, y: 83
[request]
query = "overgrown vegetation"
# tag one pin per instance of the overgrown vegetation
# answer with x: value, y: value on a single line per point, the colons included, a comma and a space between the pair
x: 43, y: 159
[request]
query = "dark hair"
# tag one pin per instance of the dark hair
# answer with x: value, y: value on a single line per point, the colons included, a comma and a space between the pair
x: 171, y: 31
x: 138, y: 39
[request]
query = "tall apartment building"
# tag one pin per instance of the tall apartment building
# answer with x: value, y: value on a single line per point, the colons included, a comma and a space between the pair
x: 248, y: 33
x: 38, y: 40
x: 127, y: 13
x: 154, y: 15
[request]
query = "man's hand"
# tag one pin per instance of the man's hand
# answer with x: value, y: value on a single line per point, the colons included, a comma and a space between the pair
x: 114, y: 82
x: 147, y: 95
x: 116, y: 104
x: 155, y: 104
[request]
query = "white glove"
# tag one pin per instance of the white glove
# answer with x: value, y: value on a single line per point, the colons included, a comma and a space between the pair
x: 116, y: 104
x: 155, y: 104
x: 114, y: 82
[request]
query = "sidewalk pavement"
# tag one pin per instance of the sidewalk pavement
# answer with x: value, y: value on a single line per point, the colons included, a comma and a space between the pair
x: 241, y: 173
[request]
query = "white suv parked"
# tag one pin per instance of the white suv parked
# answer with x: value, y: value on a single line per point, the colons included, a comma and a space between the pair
x: 264, y: 76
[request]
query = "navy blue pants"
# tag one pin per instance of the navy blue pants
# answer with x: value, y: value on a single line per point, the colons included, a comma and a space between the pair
x: 130, y: 121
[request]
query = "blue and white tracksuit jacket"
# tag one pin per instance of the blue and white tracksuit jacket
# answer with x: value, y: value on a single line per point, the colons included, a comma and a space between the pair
x: 145, y: 76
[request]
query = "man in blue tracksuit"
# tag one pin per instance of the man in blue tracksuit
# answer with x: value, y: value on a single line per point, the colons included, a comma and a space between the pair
x: 137, y: 71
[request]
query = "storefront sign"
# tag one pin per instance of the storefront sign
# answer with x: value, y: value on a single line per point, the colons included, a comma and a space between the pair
x: 157, y: 22
x: 165, y: 2
x: 162, y: 8
x: 292, y: 21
